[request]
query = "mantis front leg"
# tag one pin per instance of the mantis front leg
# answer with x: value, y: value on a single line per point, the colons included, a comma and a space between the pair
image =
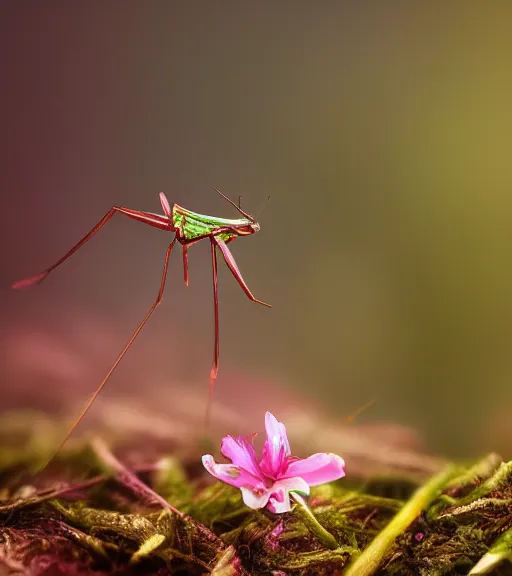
x: 230, y: 261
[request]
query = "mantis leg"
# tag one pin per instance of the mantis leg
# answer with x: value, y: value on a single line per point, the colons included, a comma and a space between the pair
x: 154, y: 220
x: 121, y: 355
x: 215, y: 365
x: 185, y: 263
x: 185, y: 257
x: 230, y: 261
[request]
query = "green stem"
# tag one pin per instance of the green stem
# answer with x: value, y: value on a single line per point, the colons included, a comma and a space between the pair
x: 325, y: 537
x: 499, y: 551
x: 498, y: 480
x: 370, y: 559
x: 482, y: 470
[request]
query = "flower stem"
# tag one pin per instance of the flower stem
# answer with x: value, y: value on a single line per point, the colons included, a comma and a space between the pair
x: 325, y: 537
x: 369, y: 560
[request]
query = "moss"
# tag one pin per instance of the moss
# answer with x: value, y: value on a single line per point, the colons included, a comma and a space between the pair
x: 89, y: 514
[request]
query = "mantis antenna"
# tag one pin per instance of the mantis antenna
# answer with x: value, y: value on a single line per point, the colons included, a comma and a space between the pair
x: 262, y: 207
x: 243, y: 212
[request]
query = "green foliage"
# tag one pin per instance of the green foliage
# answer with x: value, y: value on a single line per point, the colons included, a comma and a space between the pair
x: 82, y: 519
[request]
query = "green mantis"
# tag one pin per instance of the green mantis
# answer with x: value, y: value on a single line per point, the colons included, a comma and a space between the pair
x: 189, y: 228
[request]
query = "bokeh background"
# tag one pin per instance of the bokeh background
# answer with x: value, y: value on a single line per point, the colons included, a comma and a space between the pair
x: 382, y: 132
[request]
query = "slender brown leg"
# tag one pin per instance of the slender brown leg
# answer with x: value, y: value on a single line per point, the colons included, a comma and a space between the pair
x: 230, y: 261
x: 154, y: 220
x: 185, y: 263
x: 121, y: 355
x: 215, y: 365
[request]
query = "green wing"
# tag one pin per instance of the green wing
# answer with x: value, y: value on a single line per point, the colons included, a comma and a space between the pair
x: 192, y: 226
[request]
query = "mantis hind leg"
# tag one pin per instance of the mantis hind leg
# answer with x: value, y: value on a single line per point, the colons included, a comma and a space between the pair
x: 123, y: 352
x: 154, y: 220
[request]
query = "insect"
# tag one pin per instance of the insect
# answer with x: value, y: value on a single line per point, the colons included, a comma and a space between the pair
x: 189, y: 228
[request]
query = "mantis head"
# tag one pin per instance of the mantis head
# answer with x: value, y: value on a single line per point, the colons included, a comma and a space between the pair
x: 245, y: 230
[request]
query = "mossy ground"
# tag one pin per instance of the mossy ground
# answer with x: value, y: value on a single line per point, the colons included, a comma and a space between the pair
x: 83, y: 516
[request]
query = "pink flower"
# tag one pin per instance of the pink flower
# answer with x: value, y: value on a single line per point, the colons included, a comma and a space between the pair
x: 267, y: 481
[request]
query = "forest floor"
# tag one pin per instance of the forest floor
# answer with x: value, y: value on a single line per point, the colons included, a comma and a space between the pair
x: 143, y: 508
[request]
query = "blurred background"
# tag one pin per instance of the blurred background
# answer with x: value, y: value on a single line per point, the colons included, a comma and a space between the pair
x: 382, y: 132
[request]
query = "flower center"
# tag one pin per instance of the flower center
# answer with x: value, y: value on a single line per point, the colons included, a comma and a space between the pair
x: 259, y: 491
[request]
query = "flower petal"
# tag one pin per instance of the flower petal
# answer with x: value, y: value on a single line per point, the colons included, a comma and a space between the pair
x: 232, y: 474
x: 275, y: 449
x: 255, y: 499
x: 241, y: 452
x: 279, y: 501
x: 317, y: 469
